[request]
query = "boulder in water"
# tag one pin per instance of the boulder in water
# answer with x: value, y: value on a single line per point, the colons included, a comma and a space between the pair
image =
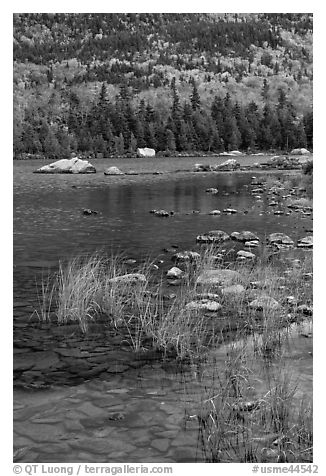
x: 244, y: 236
x: 228, y: 165
x: 306, y: 242
x: 67, y: 166
x: 113, y: 171
x: 212, y: 190
x: 242, y: 254
x: 202, y: 168
x: 214, y: 236
x: 215, y: 212
x: 280, y: 239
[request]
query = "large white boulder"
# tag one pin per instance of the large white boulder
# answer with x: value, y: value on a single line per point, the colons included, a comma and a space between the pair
x: 301, y: 151
x: 68, y: 166
x: 145, y: 152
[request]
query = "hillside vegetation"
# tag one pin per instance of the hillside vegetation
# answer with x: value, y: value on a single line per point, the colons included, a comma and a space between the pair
x: 109, y: 83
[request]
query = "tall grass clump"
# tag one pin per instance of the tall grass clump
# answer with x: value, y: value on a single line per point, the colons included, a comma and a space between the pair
x: 46, y: 299
x: 79, y: 290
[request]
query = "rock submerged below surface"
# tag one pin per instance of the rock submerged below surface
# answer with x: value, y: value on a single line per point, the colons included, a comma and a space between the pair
x: 264, y: 303
x: 131, y: 278
x: 203, y: 305
x: 67, y: 166
x: 186, y: 256
x: 218, y: 277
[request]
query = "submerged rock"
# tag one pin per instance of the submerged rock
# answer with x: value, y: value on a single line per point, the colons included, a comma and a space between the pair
x: 214, y: 236
x: 113, y: 171
x: 203, y: 305
x: 131, y: 278
x: 218, y: 277
x: 67, y: 166
x: 264, y: 303
x: 235, y: 289
x: 186, y: 256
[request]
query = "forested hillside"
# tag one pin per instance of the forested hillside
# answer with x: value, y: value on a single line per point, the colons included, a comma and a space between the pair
x: 109, y: 83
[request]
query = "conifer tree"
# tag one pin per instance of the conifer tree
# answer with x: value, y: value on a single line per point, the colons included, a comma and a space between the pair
x: 195, y: 98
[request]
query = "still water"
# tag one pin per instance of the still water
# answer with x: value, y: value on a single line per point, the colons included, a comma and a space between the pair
x: 135, y: 414
x: 49, y: 225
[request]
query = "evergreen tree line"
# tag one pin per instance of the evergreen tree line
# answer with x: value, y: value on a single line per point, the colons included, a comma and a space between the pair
x: 118, y: 127
x: 41, y: 38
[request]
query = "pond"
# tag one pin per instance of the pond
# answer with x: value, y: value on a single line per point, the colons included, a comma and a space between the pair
x: 136, y: 399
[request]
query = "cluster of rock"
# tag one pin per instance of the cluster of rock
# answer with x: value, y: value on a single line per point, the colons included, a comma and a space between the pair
x: 227, y: 166
x: 250, y: 239
x: 162, y: 213
x: 282, y: 162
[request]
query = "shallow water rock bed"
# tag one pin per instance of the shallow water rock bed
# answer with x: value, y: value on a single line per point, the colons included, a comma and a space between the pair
x: 136, y: 416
